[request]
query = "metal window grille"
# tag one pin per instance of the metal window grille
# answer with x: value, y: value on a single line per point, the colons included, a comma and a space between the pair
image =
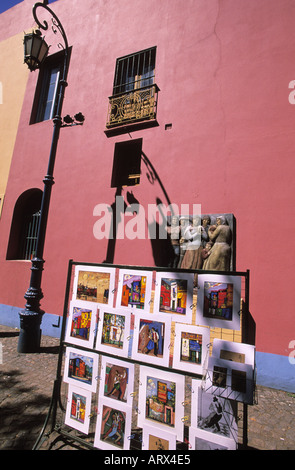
x: 135, y: 71
x: 30, y: 236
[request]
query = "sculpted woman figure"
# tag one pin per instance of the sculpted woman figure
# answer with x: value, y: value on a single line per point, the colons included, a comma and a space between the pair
x: 221, y: 235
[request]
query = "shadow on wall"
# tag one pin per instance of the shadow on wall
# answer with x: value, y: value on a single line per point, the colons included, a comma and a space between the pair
x: 128, y: 157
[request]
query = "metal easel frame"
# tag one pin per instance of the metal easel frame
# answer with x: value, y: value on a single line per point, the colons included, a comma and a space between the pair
x: 56, y: 393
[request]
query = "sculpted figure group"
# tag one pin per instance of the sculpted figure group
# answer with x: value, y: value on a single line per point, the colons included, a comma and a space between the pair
x: 201, y: 244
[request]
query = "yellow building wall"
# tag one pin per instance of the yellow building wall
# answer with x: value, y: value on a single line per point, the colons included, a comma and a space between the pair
x: 13, y: 80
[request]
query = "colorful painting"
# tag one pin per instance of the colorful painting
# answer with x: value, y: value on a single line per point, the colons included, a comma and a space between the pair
x: 161, y: 396
x: 81, y: 368
x: 113, y: 427
x: 81, y: 323
x: 151, y: 338
x: 174, y: 295
x: 113, y: 331
x: 78, y: 409
x: 190, y: 347
x: 115, y: 383
x: 134, y: 289
x: 94, y: 284
x: 219, y: 301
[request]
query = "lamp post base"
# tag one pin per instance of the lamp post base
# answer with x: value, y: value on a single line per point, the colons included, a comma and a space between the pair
x: 30, y: 332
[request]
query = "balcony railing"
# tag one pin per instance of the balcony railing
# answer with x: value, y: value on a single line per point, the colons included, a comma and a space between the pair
x: 133, y: 106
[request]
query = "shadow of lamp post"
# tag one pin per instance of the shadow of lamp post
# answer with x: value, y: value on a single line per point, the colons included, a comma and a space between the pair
x: 35, y: 51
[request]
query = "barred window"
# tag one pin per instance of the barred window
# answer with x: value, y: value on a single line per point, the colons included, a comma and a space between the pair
x: 135, y: 71
x: 29, y: 236
x: 25, y: 224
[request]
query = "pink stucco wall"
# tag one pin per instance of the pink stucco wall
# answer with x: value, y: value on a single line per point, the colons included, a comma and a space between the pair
x: 223, y: 69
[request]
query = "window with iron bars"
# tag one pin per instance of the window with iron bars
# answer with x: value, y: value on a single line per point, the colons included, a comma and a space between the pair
x: 134, y: 91
x: 30, y: 233
x: 135, y: 71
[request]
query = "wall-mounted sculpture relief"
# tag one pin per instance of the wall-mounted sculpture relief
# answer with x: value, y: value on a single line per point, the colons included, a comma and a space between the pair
x: 206, y: 242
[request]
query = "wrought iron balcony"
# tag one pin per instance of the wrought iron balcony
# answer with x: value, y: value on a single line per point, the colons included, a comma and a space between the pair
x: 133, y: 106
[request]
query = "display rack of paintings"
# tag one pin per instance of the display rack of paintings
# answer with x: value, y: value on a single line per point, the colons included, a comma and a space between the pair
x: 130, y: 353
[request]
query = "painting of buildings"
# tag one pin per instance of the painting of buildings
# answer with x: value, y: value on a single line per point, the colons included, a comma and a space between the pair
x: 81, y: 321
x: 218, y: 300
x: 113, y: 330
x: 191, y: 347
x: 80, y: 368
x: 133, y: 291
x: 78, y: 406
x: 173, y: 297
x: 93, y: 286
x: 160, y: 401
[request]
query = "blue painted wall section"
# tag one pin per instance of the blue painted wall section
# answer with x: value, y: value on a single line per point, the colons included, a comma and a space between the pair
x: 50, y: 326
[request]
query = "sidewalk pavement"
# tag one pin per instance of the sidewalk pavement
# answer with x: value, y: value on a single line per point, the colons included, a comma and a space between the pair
x: 26, y: 384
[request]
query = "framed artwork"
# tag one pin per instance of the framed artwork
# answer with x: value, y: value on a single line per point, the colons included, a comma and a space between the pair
x: 134, y: 289
x: 81, y: 368
x: 213, y: 414
x: 174, y: 295
x: 203, y: 440
x: 78, y: 409
x: 191, y: 347
x: 113, y: 426
x: 229, y: 379
x: 113, y: 332
x: 81, y: 323
x: 157, y: 439
x: 116, y: 380
x: 231, y: 351
x: 151, y: 338
x: 219, y: 301
x: 161, y: 400
x: 94, y: 284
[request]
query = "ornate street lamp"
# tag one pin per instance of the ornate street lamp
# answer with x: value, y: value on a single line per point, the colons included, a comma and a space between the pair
x: 36, y: 51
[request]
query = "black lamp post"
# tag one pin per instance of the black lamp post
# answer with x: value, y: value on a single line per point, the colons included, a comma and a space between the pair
x: 35, y: 52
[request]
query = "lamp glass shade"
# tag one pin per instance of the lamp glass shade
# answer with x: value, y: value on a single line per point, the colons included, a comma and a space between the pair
x: 35, y: 50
